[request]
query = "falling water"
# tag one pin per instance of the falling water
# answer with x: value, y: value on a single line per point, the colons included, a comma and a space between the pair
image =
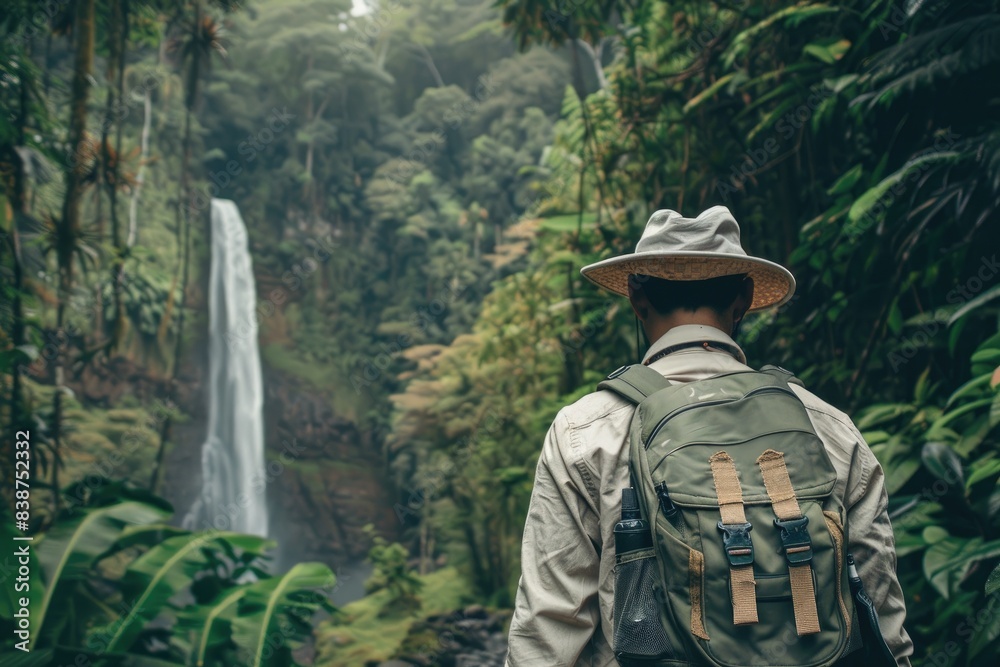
x: 232, y: 457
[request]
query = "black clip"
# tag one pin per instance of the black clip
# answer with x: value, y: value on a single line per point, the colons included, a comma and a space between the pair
x: 795, y: 540
x: 736, y: 540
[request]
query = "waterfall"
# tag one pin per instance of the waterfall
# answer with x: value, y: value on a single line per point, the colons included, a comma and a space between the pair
x: 232, y: 458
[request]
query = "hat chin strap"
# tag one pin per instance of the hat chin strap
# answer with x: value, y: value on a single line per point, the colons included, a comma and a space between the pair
x: 638, y: 353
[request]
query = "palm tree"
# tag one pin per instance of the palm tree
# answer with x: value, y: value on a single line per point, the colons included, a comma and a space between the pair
x: 198, y: 38
x: 67, y: 230
x: 111, y: 158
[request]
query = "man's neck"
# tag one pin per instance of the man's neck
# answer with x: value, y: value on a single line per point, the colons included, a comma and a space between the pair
x: 657, y: 325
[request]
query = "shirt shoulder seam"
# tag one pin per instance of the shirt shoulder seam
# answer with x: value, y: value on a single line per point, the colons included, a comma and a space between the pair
x: 573, y: 426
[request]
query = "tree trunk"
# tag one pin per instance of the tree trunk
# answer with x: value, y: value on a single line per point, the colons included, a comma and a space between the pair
x: 184, y: 207
x: 68, y: 232
x: 133, y: 209
x: 18, y: 202
x: 119, y: 35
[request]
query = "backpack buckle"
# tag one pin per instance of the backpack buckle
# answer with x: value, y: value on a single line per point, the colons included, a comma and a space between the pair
x: 737, y: 543
x: 795, y: 540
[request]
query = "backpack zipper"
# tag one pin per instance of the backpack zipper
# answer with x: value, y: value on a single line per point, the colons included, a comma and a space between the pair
x: 666, y: 504
x: 669, y: 510
x: 728, y: 444
x: 759, y: 390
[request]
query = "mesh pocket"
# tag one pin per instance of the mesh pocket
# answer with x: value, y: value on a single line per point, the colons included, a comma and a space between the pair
x: 639, y: 632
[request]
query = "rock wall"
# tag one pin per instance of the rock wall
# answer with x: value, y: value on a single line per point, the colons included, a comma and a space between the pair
x: 325, y: 476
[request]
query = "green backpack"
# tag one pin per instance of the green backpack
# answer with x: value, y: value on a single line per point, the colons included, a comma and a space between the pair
x: 747, y: 565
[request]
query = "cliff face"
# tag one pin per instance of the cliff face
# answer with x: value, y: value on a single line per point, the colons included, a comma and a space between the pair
x: 325, y: 477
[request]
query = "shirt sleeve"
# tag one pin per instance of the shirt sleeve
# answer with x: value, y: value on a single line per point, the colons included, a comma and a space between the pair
x: 556, y: 610
x: 873, y: 546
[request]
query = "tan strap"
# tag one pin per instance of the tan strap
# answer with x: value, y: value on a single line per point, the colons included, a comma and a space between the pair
x: 786, y: 508
x: 779, y: 485
x: 803, y: 600
x: 744, y: 592
x: 730, y: 494
x: 727, y: 488
x: 837, y: 533
x: 696, y: 589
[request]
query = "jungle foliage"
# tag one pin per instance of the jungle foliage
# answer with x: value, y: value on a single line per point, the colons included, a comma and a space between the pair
x: 113, y: 583
x: 422, y: 185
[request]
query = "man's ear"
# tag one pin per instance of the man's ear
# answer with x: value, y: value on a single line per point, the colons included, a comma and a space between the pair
x: 743, y: 301
x: 640, y: 302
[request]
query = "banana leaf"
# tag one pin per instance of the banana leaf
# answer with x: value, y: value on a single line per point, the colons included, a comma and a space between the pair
x: 267, y: 601
x: 159, y: 574
x: 70, y: 548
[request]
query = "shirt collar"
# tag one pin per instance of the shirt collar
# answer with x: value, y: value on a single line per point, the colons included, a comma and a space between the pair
x: 690, y: 333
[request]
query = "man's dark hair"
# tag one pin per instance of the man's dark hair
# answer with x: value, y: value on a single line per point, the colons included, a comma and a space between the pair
x: 667, y: 296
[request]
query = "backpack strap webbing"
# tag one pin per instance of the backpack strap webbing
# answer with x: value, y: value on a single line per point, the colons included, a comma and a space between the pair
x: 736, y: 538
x: 794, y: 539
x: 634, y: 383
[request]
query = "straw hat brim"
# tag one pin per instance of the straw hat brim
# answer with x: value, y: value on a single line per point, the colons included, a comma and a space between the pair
x: 773, y: 283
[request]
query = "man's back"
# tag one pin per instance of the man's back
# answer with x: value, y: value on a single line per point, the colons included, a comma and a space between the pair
x: 563, y: 612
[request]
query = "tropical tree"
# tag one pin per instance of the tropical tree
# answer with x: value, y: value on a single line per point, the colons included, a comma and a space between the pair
x: 67, y: 234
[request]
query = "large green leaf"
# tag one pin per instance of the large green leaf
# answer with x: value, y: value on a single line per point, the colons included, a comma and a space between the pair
x: 943, y: 462
x: 983, y: 469
x: 163, y: 571
x: 71, y: 547
x: 898, y: 473
x: 947, y: 562
x: 211, y: 623
x: 974, y: 303
x: 828, y: 50
x: 867, y: 201
x: 993, y: 583
x: 265, y: 600
x: 706, y: 94
x: 967, y: 388
x: 881, y: 414
x: 790, y: 16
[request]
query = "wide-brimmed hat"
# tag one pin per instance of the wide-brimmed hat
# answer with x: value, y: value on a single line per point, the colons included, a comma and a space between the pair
x: 679, y: 248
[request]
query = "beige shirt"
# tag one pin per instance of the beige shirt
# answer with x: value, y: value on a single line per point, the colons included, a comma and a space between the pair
x: 565, y: 598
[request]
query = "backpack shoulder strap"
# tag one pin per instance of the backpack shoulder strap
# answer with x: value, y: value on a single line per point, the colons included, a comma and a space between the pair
x: 782, y: 374
x: 634, y: 382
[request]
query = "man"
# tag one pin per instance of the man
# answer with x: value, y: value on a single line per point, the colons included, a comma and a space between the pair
x: 690, y: 283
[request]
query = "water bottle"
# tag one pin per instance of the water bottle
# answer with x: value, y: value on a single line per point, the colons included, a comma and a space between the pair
x: 875, y: 649
x: 639, y: 635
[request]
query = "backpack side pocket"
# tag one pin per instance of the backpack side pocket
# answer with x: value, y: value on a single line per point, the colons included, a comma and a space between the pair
x: 639, y: 636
